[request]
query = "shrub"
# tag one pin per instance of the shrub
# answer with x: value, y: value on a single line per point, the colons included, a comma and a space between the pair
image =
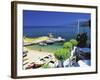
x: 68, y: 45
x: 82, y: 39
x: 74, y: 42
x: 62, y: 54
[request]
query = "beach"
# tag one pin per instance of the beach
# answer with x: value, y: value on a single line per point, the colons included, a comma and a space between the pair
x: 34, y: 55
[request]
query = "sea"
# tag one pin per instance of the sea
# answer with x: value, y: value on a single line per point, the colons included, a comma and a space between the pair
x: 66, y: 32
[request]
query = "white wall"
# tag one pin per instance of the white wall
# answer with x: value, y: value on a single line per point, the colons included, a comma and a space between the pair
x: 5, y: 43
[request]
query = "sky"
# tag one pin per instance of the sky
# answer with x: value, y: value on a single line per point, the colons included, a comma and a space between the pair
x: 49, y: 18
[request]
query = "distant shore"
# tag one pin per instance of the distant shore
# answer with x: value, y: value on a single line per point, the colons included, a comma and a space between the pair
x: 43, y: 40
x: 29, y: 41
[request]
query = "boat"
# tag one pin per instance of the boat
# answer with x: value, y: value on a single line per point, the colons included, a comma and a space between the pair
x: 42, y: 44
x: 59, y: 39
x: 50, y: 41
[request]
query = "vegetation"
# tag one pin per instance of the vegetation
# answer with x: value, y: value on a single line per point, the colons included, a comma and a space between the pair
x: 82, y: 39
x: 74, y: 42
x: 65, y: 52
x: 68, y: 45
x: 61, y: 55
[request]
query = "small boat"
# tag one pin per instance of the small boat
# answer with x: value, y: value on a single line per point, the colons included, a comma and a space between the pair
x: 42, y: 44
x: 59, y: 39
x: 33, y: 65
x: 50, y: 41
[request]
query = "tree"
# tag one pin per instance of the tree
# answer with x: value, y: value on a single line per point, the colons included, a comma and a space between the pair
x: 61, y: 55
x: 82, y: 40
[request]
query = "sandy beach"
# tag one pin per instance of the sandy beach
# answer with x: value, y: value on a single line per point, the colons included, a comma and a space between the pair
x: 34, y: 55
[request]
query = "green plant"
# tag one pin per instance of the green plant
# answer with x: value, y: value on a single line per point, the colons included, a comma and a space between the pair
x: 61, y: 55
x: 74, y: 42
x: 82, y: 39
x: 68, y: 45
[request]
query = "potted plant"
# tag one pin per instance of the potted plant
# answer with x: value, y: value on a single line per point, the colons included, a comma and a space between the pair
x: 61, y: 55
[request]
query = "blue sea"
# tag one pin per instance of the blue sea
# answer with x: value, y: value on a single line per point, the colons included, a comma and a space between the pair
x: 66, y: 32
